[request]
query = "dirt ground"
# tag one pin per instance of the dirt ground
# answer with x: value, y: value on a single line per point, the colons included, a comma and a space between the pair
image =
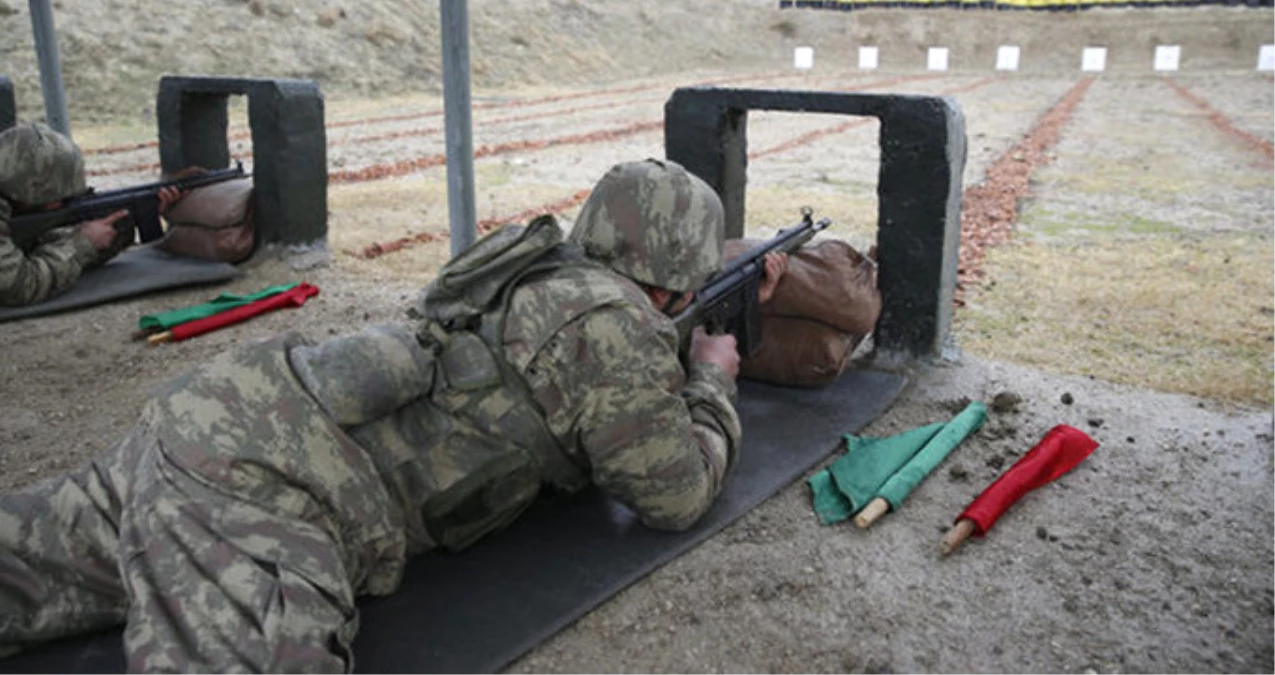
x: 1157, y: 554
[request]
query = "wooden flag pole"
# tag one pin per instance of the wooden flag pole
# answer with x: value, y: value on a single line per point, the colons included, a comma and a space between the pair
x: 959, y: 533
x: 875, y: 509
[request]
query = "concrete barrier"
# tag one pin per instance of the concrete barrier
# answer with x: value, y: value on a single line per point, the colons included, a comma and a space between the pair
x: 8, y: 104
x: 919, y: 189
x: 289, y: 146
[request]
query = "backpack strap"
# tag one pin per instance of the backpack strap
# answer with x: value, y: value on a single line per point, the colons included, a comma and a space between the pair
x: 462, y: 320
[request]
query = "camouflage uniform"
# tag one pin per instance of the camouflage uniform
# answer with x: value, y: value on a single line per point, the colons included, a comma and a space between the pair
x: 38, y: 166
x: 234, y: 526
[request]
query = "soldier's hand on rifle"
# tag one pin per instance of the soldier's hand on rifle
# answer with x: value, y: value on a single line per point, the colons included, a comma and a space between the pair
x: 776, y: 265
x: 102, y: 232
x: 718, y: 349
x: 169, y: 196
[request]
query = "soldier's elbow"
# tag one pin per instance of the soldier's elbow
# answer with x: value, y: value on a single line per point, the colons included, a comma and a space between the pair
x: 21, y: 295
x: 679, y: 515
x: 672, y: 523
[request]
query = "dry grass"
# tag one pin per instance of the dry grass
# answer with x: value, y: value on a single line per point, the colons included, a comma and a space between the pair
x: 852, y: 209
x: 362, y: 214
x: 1188, y: 315
x: 339, y: 112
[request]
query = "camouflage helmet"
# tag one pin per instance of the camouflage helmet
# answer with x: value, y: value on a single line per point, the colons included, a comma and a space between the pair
x: 653, y: 222
x: 39, y: 165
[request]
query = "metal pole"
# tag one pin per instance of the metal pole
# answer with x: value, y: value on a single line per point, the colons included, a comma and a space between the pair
x: 46, y: 51
x: 462, y: 215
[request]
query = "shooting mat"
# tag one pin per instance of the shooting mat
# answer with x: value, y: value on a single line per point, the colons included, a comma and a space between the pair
x: 138, y: 270
x: 479, y: 610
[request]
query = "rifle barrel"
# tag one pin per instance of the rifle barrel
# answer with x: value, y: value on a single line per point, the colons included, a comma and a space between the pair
x: 719, y: 287
x: 26, y: 228
x: 187, y: 183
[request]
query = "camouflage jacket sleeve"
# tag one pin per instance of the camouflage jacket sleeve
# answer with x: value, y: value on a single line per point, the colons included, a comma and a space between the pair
x: 657, y: 439
x: 49, y: 269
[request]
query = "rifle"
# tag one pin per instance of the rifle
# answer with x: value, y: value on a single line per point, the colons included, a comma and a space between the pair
x: 727, y: 302
x: 142, y: 203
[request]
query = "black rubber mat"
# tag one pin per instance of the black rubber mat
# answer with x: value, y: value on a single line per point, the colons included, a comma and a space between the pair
x: 138, y: 270
x: 479, y: 610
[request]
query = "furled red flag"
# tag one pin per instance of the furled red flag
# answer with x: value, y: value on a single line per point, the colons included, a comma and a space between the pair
x: 1062, y: 448
x: 293, y: 297
x: 157, y: 323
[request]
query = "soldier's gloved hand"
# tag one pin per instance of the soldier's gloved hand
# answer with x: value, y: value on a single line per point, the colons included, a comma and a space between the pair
x: 718, y: 349
x: 776, y: 265
x: 101, y: 232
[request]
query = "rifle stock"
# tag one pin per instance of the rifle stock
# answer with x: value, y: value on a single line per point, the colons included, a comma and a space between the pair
x: 141, y: 202
x: 728, y: 303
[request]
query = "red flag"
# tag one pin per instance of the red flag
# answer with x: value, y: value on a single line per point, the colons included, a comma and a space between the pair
x: 294, y: 297
x: 1062, y: 448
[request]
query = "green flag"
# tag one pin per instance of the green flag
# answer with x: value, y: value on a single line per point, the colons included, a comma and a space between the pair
x: 901, y: 484
x: 219, y: 304
x: 853, y: 480
x: 830, y: 505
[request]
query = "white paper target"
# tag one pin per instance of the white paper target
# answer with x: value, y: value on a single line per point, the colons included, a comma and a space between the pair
x: 867, y: 58
x: 1007, y: 57
x: 803, y: 58
x: 936, y: 58
x: 1167, y: 57
x: 1094, y: 59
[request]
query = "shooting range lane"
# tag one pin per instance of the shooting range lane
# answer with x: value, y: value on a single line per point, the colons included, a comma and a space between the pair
x: 1147, y: 233
x: 1248, y: 108
x: 531, y: 159
x: 1258, y: 140
x: 835, y: 171
x: 1146, y: 186
x: 566, y: 124
x: 479, y: 610
x: 370, y: 145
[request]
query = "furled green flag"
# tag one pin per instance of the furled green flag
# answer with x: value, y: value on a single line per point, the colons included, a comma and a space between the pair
x: 849, y: 483
x: 223, y: 302
x: 923, y: 462
x: 890, y: 467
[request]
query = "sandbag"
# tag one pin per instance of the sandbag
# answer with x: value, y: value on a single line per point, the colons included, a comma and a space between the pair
x: 799, y: 352
x: 824, y: 305
x: 214, y: 222
x: 827, y: 280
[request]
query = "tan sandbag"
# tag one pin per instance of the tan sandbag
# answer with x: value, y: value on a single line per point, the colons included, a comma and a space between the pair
x: 799, y: 352
x: 827, y: 280
x: 213, y: 222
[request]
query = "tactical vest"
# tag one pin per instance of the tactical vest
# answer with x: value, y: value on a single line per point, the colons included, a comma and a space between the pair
x: 473, y: 452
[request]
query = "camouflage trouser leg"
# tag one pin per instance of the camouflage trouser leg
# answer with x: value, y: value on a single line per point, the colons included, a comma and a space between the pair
x: 207, y: 582
x: 246, y: 521
x: 215, y: 585
x: 59, y: 564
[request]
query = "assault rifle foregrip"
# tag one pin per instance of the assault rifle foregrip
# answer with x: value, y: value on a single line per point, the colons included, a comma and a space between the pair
x: 728, y: 303
x: 141, y: 202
